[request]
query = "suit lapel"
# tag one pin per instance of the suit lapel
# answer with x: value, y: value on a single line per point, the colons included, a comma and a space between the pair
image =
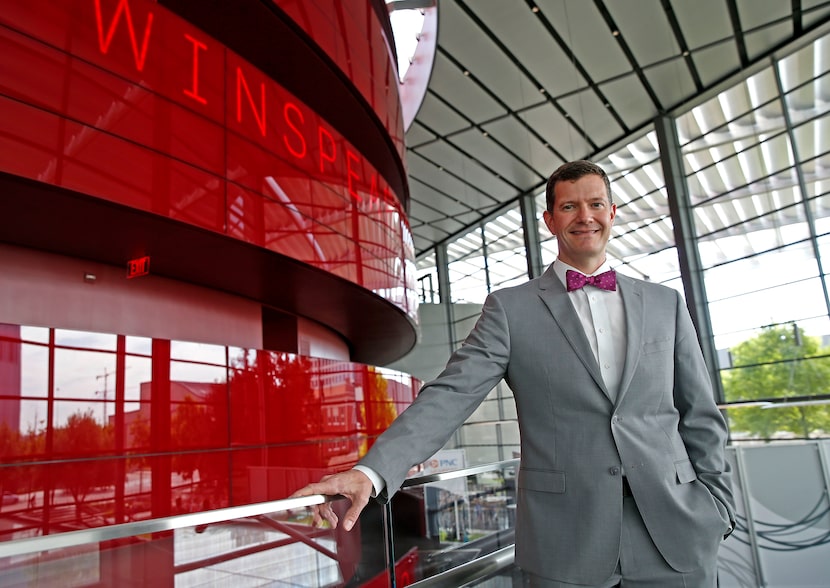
x: 555, y: 296
x: 632, y: 295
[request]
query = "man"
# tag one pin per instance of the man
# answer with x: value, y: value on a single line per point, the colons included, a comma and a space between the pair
x: 623, y: 478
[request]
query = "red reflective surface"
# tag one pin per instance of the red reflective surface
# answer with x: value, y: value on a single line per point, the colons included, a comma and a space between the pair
x: 125, y: 101
x: 98, y: 429
x: 342, y: 30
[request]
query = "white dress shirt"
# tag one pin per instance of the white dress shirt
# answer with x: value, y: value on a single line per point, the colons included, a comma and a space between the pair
x: 602, y: 315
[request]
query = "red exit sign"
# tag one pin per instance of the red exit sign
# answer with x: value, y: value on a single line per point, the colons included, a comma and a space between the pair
x: 138, y: 267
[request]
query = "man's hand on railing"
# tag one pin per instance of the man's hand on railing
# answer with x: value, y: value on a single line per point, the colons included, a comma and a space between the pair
x: 353, y: 484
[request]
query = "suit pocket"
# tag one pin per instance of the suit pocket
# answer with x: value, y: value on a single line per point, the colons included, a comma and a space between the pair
x: 685, y: 471
x: 542, y: 480
x: 657, y: 346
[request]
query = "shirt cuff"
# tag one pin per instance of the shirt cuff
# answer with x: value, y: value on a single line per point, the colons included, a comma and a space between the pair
x: 377, y: 482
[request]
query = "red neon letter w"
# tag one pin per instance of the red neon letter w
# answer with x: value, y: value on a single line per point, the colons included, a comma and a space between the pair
x: 104, y: 41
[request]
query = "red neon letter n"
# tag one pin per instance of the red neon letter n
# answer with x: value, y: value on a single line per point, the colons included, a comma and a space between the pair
x: 241, y: 81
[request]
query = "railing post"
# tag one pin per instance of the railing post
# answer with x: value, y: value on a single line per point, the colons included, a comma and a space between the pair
x: 389, y: 543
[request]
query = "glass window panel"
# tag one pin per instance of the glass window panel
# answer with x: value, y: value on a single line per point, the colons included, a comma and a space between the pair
x: 730, y: 104
x: 637, y: 238
x: 85, y: 340
x: 817, y: 327
x: 771, y: 306
x: 139, y: 345
x: 182, y: 371
x: 466, y: 268
x: 468, y: 281
x: 84, y: 374
x: 660, y: 267
x: 485, y: 433
x: 509, y: 434
x: 550, y: 249
x: 33, y: 415
x: 816, y: 173
x: 427, y: 279
x: 138, y: 375
x: 488, y: 410
x: 774, y: 364
x: 506, y: 255
x: 748, y: 165
x: 202, y: 352
x: 80, y: 426
x: 465, y: 245
x: 706, y: 183
x: 805, y: 64
x: 34, y: 371
x: 34, y: 334
x: 750, y: 202
x: 759, y: 272
x: 812, y: 140
x: 752, y: 127
x: 809, y: 102
x: 701, y: 120
x: 738, y: 240
x: 547, y: 242
x: 507, y: 268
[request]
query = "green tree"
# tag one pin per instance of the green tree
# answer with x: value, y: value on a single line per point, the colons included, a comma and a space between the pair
x: 10, y: 446
x: 378, y: 409
x: 83, y: 437
x: 780, y: 362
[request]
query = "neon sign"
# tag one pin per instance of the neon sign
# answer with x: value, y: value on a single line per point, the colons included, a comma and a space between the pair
x: 178, y: 61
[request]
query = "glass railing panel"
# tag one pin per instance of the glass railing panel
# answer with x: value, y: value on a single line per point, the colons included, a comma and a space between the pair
x: 240, y: 546
x: 454, y: 524
x: 456, y: 517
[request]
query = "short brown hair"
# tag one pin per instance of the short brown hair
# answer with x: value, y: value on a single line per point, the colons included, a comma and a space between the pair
x: 572, y: 171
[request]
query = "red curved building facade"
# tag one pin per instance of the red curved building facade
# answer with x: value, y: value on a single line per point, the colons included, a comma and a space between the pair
x: 204, y: 253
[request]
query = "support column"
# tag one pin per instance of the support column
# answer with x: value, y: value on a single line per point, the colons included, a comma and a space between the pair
x: 530, y: 228
x: 691, y: 270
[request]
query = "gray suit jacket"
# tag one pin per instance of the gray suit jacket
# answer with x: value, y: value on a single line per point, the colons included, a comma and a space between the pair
x: 664, y: 430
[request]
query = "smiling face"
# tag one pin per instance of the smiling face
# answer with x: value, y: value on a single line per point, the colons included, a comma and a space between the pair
x: 581, y: 219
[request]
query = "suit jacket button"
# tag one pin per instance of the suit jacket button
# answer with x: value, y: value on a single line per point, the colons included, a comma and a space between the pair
x: 615, y: 471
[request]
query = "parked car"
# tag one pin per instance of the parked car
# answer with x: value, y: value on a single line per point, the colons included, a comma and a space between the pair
x: 10, y: 498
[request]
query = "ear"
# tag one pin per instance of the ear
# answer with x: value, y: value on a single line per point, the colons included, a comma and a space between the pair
x: 547, y: 216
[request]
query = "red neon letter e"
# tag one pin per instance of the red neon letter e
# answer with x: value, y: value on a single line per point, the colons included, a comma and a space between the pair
x: 352, y: 174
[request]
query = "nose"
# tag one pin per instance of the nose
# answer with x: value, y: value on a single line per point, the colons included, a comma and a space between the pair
x: 585, y: 213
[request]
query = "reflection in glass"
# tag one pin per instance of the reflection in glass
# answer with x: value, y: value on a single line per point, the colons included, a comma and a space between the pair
x: 172, y: 435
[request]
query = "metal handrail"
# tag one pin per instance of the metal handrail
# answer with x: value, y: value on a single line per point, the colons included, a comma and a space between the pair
x: 463, y: 473
x: 119, y: 531
x: 477, y: 569
x: 65, y: 539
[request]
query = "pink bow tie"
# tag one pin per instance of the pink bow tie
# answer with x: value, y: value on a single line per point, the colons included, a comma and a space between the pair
x: 606, y: 280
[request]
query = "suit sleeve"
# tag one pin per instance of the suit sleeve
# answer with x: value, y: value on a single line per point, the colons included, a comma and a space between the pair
x: 444, y: 403
x: 702, y: 426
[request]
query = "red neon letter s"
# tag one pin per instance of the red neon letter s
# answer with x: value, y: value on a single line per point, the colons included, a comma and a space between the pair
x: 104, y: 42
x: 194, y: 91
x: 241, y: 81
x: 301, y: 151
x: 323, y: 155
